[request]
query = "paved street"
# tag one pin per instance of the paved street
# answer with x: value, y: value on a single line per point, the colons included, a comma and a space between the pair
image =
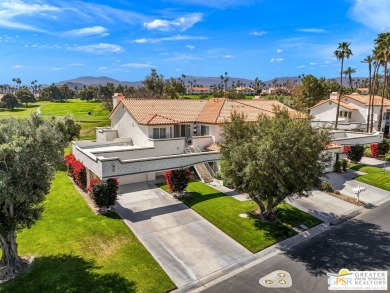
x: 185, y: 245
x: 360, y: 244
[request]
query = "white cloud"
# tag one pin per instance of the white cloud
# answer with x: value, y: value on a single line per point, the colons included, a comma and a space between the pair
x: 311, y: 30
x: 103, y: 68
x: 313, y: 63
x: 228, y: 56
x: 276, y: 60
x: 88, y: 31
x: 191, y: 47
x: 12, y: 11
x: 220, y: 4
x: 57, y: 68
x: 176, y: 56
x: 17, y: 66
x: 301, y: 66
x: 138, y: 65
x: 100, y: 48
x: 173, y: 39
x: 373, y: 14
x: 258, y: 33
x: 76, y: 65
x: 279, y: 51
x: 182, y: 23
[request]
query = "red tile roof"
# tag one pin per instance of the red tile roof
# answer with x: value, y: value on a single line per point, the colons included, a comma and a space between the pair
x: 346, y: 106
x: 212, y: 111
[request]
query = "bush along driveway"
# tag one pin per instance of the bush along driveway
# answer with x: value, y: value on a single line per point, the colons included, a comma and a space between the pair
x: 224, y: 212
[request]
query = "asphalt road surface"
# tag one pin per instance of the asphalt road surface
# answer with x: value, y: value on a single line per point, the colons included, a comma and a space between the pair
x: 361, y: 244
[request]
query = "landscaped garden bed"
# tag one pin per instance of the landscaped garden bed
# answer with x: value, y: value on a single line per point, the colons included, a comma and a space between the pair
x: 224, y: 212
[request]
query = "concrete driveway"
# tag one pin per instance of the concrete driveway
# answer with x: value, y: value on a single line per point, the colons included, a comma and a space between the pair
x: 185, y: 245
x: 323, y: 206
x: 345, y: 183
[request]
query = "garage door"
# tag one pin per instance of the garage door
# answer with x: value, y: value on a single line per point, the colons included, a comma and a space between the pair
x: 128, y: 179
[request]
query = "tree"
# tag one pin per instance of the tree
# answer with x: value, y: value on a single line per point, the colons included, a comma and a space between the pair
x: 348, y: 73
x: 66, y: 92
x: 105, y: 94
x: 273, y: 158
x: 87, y: 94
x: 173, y: 89
x: 25, y: 96
x: 369, y: 61
x: 154, y: 83
x: 343, y: 51
x: 355, y: 152
x: 233, y: 94
x: 9, y: 101
x: 51, y: 93
x: 177, y: 180
x: 24, y: 180
x: 382, y: 51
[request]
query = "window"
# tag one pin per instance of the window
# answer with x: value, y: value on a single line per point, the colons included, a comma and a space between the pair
x: 341, y: 114
x: 345, y: 113
x: 387, y: 115
x: 204, y: 130
x: 159, y: 133
x: 349, y: 115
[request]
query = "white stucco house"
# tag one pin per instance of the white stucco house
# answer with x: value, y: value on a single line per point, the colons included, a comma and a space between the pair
x: 352, y: 113
x: 149, y: 136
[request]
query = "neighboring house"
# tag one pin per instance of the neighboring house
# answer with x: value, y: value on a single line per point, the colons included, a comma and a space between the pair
x: 198, y: 91
x: 247, y: 91
x: 149, y: 136
x: 352, y: 112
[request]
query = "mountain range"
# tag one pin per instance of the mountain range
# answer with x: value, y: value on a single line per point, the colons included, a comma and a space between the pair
x: 204, y: 81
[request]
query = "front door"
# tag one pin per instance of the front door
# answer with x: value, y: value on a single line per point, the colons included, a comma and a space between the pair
x: 186, y: 131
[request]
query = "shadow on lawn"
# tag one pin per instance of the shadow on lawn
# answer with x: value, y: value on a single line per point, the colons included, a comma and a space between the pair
x: 356, y: 245
x: 197, y: 197
x: 67, y: 273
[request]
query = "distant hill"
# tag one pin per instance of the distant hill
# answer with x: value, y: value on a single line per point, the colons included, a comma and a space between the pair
x: 196, y: 80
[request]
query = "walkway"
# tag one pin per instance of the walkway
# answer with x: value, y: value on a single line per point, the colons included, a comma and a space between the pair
x: 185, y: 245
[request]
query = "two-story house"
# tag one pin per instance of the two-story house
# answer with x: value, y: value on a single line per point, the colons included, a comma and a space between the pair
x: 352, y: 112
x: 149, y: 136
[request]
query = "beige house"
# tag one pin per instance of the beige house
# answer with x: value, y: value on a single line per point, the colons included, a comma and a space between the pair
x: 247, y: 91
x: 198, y: 90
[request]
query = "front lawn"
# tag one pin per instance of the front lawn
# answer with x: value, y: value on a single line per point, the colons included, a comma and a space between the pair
x: 78, y: 251
x: 223, y: 211
x: 375, y: 177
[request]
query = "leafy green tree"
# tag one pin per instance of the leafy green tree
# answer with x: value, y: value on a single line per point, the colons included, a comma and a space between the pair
x: 51, y: 93
x: 29, y: 153
x: 273, y: 158
x: 233, y: 94
x: 154, y: 83
x: 88, y: 94
x: 9, y: 101
x: 173, y: 89
x: 343, y: 51
x: 105, y: 94
x: 25, y: 96
x: 66, y: 92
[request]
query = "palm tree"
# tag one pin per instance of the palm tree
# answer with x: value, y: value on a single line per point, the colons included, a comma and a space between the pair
x: 343, y: 51
x: 348, y: 73
x: 382, y: 48
x: 369, y: 61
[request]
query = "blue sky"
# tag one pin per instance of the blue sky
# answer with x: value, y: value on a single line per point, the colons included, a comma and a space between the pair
x: 50, y: 40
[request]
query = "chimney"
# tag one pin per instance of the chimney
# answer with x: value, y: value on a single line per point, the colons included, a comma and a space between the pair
x: 334, y: 96
x: 116, y: 98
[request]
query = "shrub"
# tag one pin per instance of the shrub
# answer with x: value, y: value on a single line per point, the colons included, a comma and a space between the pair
x: 326, y: 186
x: 337, y: 165
x: 374, y: 151
x: 218, y: 175
x: 177, y: 180
x: 383, y: 147
x: 104, y: 193
x: 345, y: 164
x: 337, y: 192
x: 203, y: 96
x: 367, y: 152
x: 355, y: 153
x: 76, y: 170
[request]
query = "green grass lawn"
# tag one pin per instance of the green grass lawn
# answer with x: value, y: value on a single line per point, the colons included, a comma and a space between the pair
x: 78, y: 251
x: 89, y: 114
x: 21, y: 112
x: 223, y: 211
x: 375, y: 177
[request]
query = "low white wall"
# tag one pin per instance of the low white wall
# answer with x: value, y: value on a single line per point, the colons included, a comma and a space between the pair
x: 203, y: 141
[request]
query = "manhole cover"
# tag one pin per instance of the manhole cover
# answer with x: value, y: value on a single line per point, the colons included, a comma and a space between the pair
x: 243, y: 215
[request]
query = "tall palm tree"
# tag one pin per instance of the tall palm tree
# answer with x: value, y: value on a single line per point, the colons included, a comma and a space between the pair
x: 382, y: 48
x: 348, y: 73
x: 369, y: 61
x: 343, y: 51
